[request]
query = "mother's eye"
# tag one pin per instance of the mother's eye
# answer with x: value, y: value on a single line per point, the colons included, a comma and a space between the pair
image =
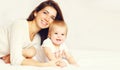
x: 53, y: 18
x: 45, y: 12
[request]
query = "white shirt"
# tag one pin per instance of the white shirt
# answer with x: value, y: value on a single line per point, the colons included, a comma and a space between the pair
x: 16, y: 37
x: 48, y: 43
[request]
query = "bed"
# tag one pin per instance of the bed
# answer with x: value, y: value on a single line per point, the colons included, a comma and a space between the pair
x: 87, y: 59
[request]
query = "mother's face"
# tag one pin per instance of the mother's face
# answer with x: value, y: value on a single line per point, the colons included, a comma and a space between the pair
x: 45, y: 17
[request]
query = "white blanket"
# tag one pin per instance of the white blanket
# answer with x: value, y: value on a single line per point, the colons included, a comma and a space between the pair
x: 88, y: 60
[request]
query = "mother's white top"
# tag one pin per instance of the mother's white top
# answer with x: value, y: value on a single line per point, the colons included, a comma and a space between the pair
x: 14, y: 38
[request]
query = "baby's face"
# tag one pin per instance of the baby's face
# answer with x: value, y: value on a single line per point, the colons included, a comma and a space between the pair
x: 58, y: 35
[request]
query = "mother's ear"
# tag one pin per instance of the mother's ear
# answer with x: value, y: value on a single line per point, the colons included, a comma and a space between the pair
x: 35, y: 14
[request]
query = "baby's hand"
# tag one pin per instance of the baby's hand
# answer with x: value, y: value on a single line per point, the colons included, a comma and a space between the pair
x: 76, y: 65
x: 52, y: 63
x: 61, y: 63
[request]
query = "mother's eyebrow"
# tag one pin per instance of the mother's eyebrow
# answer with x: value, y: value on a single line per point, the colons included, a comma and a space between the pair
x: 48, y: 13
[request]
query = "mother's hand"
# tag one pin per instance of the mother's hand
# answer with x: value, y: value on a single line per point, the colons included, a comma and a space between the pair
x: 6, y: 58
x: 29, y: 52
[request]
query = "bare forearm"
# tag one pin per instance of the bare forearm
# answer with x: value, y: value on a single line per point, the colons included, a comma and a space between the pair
x: 31, y: 62
x: 71, y: 60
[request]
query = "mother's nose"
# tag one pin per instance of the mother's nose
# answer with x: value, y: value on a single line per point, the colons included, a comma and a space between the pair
x: 47, y: 18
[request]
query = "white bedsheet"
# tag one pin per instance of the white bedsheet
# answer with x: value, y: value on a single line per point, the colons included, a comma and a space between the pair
x: 88, y: 60
x: 99, y: 60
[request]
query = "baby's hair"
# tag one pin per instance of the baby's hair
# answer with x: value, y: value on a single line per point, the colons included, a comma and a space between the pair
x: 58, y: 23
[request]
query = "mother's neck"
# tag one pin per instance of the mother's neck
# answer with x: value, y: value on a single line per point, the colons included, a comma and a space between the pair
x: 33, y: 28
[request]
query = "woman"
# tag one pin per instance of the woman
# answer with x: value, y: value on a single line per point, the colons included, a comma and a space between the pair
x: 25, y: 36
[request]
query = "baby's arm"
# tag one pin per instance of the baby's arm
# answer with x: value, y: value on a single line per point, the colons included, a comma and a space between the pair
x: 52, y: 57
x: 49, y: 53
x: 70, y: 58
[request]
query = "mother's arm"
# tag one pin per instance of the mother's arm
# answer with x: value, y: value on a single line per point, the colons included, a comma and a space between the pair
x: 17, y: 35
x: 29, y: 53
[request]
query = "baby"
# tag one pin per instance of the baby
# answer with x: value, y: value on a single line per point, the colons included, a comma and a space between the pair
x: 54, y: 47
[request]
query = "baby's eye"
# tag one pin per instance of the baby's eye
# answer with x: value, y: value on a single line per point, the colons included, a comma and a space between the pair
x: 62, y: 34
x: 56, y: 33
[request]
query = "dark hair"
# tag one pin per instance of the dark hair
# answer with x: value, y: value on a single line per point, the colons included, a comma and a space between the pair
x: 44, y: 32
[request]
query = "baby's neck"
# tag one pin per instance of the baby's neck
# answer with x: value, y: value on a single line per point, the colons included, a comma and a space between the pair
x: 57, y: 46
